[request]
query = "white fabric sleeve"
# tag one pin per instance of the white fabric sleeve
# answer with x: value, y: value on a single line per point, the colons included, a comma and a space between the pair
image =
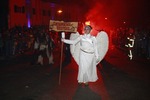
x: 73, y: 42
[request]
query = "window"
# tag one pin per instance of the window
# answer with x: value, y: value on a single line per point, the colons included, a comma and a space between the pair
x: 18, y: 9
x: 33, y: 11
x: 49, y: 13
x: 15, y: 8
x: 44, y: 13
x: 23, y: 9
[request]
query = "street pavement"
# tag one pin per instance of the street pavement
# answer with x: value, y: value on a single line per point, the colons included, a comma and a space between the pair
x: 119, y: 79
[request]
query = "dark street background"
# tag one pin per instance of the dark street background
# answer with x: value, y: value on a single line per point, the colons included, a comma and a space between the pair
x: 119, y: 79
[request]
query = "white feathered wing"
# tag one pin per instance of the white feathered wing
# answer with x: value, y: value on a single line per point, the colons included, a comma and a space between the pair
x: 102, y: 45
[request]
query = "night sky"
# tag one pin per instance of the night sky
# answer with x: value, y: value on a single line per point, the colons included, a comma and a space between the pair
x: 133, y: 12
x: 117, y: 11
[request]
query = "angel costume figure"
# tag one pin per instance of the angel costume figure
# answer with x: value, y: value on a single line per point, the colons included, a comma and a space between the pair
x: 85, y: 50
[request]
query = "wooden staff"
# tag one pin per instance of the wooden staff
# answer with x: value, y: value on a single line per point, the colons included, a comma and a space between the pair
x: 62, y: 43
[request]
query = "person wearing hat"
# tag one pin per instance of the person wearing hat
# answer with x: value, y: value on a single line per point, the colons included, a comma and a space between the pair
x: 88, y: 56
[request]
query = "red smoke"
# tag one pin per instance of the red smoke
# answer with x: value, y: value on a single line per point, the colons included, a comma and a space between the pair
x: 117, y: 12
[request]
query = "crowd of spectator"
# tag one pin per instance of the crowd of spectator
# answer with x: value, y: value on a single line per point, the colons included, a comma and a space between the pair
x: 141, y: 46
x: 19, y: 40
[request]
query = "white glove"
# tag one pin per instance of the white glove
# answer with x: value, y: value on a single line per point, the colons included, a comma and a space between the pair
x: 63, y: 35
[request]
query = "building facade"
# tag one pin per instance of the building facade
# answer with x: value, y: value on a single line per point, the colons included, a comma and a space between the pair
x: 38, y: 12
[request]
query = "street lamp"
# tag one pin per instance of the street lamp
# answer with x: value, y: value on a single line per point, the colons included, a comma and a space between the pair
x: 59, y: 14
x: 59, y: 11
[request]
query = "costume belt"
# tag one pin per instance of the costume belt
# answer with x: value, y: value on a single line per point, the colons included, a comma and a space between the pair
x: 87, y: 51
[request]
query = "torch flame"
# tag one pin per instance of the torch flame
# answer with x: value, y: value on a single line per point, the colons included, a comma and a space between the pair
x: 87, y: 23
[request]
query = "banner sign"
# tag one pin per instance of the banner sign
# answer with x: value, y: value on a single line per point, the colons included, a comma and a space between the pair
x: 63, y: 26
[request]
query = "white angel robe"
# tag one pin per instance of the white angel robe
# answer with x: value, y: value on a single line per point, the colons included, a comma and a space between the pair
x: 87, y: 57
